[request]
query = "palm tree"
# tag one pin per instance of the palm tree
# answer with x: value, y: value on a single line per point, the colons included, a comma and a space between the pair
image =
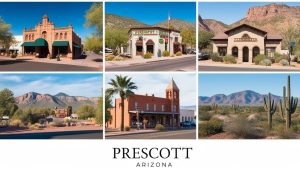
x: 123, y: 86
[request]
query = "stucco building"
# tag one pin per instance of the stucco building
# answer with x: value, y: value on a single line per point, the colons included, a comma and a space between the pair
x: 155, y: 110
x: 245, y: 42
x: 187, y: 115
x: 154, y: 40
x: 46, y: 40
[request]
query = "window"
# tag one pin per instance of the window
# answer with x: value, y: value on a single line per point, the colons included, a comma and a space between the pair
x: 26, y: 37
x: 147, y: 106
x: 135, y: 105
x: 56, y: 36
x: 182, y: 118
x: 60, y: 35
x: 32, y: 36
x: 66, y: 35
x: 175, y: 95
x: 44, y: 34
x: 174, y: 108
x: 162, y: 107
x: 176, y: 39
x: 154, y: 107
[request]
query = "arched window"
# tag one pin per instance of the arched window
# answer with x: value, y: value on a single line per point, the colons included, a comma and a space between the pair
x: 235, y: 51
x: 26, y: 37
x: 255, y: 51
x: 66, y: 35
x: 56, y: 36
x: 44, y: 34
x: 60, y: 35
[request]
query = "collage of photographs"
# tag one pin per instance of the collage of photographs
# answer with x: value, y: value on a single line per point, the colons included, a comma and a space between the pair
x: 149, y: 70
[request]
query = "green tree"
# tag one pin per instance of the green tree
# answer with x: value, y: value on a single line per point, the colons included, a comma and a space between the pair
x: 189, y: 37
x: 289, y: 33
x: 115, y: 39
x: 93, y: 44
x: 7, y: 103
x: 94, y: 17
x: 86, y: 111
x: 123, y: 86
x: 6, y: 37
x: 99, y: 112
x: 204, y: 39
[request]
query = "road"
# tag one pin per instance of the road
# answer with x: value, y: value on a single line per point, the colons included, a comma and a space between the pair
x: 164, y: 65
x: 86, y: 134
x: 177, y: 134
x: 230, y: 69
x: 25, y: 65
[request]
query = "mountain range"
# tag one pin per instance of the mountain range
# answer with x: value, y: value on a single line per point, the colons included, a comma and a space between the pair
x: 60, y: 100
x: 273, y: 18
x: 113, y: 21
x: 247, y: 97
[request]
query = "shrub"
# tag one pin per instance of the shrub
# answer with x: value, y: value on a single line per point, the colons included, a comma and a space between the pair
x: 56, y: 124
x: 240, y: 127
x: 282, y: 133
x: 216, y: 58
x: 166, y: 53
x: 265, y: 62
x: 14, y: 55
x: 148, y: 55
x: 277, y: 57
x: 204, y: 116
x: 284, y: 62
x: 178, y: 53
x: 109, y: 58
x: 127, y: 128
x: 160, y: 127
x: 16, y: 123
x: 211, y: 127
x: 259, y: 58
x: 229, y: 59
x: 35, y: 126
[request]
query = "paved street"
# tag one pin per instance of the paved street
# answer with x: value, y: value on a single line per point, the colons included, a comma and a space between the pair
x: 86, y: 134
x: 25, y: 65
x: 181, y: 64
x: 177, y: 134
x: 218, y: 68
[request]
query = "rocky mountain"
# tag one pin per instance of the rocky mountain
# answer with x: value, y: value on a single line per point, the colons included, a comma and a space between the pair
x: 120, y: 22
x: 61, y: 100
x: 247, y: 97
x: 273, y: 18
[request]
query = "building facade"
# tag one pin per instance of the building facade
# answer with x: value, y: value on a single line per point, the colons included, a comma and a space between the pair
x: 46, y: 40
x: 155, y: 40
x: 149, y: 110
x: 62, y: 112
x: 245, y: 42
x: 187, y: 115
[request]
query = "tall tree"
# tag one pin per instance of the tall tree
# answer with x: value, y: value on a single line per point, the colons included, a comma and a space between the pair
x: 94, y: 17
x: 289, y: 33
x: 6, y: 37
x: 204, y: 39
x: 115, y: 39
x: 108, y: 105
x: 123, y: 86
x: 7, y: 103
x: 189, y: 37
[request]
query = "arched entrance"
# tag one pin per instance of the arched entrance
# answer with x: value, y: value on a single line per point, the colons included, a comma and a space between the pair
x: 150, y: 46
x: 255, y: 52
x: 139, y: 46
x: 235, y: 51
x: 245, y: 54
x: 42, y: 49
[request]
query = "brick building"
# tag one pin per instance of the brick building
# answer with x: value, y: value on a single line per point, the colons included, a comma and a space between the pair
x: 45, y: 40
x: 155, y: 110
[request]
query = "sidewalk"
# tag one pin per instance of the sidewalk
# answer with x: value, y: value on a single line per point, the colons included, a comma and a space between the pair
x: 141, y: 60
x: 248, y: 65
x: 111, y: 132
x: 92, y: 60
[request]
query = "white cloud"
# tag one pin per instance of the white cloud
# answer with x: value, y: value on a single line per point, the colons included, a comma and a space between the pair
x: 11, y: 78
x: 156, y: 84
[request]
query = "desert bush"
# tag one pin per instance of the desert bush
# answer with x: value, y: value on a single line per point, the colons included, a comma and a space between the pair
x: 277, y: 57
x: 204, y: 116
x: 166, y: 53
x: 56, y: 124
x: 259, y: 58
x: 127, y: 128
x: 265, y: 62
x: 109, y: 57
x: 284, y: 62
x: 178, y: 53
x: 16, y: 123
x: 240, y: 127
x: 211, y: 127
x: 282, y: 133
x: 203, y: 108
x: 160, y: 127
x: 148, y: 55
x: 216, y: 58
x: 118, y: 58
x: 229, y: 59
x: 35, y: 126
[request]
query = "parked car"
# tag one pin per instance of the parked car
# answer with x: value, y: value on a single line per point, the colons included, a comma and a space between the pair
x: 193, y: 124
x: 203, y: 56
x: 185, y: 124
x: 107, y: 50
x: 83, y: 55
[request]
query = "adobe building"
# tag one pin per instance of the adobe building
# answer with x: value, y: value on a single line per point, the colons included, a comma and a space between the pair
x: 46, y: 40
x: 62, y: 112
x: 245, y: 42
x: 154, y: 40
x: 155, y: 110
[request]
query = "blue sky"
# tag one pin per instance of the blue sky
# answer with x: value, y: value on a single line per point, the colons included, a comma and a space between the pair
x: 156, y: 83
x: 89, y: 85
x: 230, y: 12
x: 211, y: 84
x: 28, y: 14
x: 153, y: 12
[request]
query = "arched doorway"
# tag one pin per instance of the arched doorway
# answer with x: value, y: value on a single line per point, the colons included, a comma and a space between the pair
x: 41, y: 46
x: 235, y: 51
x: 139, y: 46
x: 245, y: 54
x: 255, y: 52
x: 150, y: 46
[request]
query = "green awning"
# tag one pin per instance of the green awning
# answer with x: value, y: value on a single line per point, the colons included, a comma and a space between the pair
x: 28, y: 44
x: 60, y: 43
x: 40, y: 42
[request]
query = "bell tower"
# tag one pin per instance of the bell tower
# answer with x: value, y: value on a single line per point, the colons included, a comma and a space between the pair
x: 172, y: 93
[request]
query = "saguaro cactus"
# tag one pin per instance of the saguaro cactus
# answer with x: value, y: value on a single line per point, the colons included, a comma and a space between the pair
x: 270, y: 108
x: 214, y: 107
x: 288, y: 106
x: 235, y: 107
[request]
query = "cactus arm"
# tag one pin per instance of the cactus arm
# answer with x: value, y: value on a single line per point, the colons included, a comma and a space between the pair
x: 282, y: 109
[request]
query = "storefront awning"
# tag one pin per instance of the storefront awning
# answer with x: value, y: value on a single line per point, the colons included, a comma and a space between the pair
x: 40, y: 42
x: 28, y: 44
x: 60, y: 43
